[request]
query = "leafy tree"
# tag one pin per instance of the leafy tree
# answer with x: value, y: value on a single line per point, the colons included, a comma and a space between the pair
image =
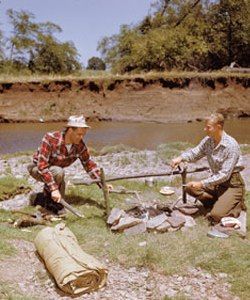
x: 96, y: 63
x: 34, y: 45
x: 54, y: 57
x: 228, y: 32
x: 192, y: 34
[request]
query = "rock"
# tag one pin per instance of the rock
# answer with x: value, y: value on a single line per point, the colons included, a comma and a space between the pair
x: 188, y: 209
x: 190, y: 222
x: 115, y: 215
x: 156, y: 221
x: 177, y: 219
x: 163, y: 227
x: 126, y: 222
x: 139, y: 228
x: 142, y: 244
x: 243, y: 220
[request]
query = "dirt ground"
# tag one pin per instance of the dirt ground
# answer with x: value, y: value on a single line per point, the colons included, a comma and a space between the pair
x: 131, y: 100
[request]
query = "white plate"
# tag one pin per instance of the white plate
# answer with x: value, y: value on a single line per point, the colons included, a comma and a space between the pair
x: 166, y: 190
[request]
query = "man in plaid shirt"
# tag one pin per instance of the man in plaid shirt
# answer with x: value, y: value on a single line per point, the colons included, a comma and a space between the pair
x: 57, y: 151
x: 224, y: 190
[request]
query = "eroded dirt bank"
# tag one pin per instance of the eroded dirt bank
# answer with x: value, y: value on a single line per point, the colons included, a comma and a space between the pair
x: 137, y: 99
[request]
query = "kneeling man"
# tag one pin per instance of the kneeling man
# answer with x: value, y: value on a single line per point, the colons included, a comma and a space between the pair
x: 224, y: 190
x: 58, y: 150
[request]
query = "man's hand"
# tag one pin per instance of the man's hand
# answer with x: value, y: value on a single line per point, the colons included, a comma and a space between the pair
x: 195, y: 184
x: 175, y: 162
x: 56, y: 196
x: 110, y: 187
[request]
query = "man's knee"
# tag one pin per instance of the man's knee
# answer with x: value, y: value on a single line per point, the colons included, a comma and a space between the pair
x: 217, y: 214
x: 58, y: 173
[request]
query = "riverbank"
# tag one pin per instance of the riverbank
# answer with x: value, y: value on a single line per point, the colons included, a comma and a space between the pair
x: 156, y: 97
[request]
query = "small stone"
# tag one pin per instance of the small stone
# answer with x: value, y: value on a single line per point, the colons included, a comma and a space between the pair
x: 126, y: 222
x: 115, y: 215
x: 156, y: 221
x: 176, y: 221
x: 163, y: 227
x: 142, y: 244
x: 190, y: 222
x: 136, y: 229
x: 222, y: 275
x: 170, y: 292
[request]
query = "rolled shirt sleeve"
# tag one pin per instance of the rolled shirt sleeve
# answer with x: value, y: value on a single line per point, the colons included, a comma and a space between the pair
x: 196, y: 153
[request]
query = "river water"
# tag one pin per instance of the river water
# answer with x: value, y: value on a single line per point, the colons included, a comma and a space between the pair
x: 27, y: 136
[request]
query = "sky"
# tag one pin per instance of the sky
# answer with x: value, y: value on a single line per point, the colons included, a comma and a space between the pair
x: 84, y: 22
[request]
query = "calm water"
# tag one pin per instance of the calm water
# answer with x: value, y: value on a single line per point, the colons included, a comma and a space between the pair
x: 21, y: 137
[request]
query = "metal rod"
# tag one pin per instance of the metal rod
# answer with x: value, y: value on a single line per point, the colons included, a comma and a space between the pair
x: 176, y: 172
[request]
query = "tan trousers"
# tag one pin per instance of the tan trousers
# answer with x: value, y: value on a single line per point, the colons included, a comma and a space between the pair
x: 57, y: 173
x: 226, y: 199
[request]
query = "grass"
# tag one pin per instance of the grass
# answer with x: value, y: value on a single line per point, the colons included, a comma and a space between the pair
x: 11, y: 186
x: 170, y: 150
x: 245, y: 149
x: 8, y: 292
x: 105, y: 75
x: 116, y: 149
x: 168, y: 253
x: 17, y: 154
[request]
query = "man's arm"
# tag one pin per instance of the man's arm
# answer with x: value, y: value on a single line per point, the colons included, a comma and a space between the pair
x: 89, y: 165
x: 191, y: 155
x: 43, y: 163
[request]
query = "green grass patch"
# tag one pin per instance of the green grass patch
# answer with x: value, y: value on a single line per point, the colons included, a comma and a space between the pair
x: 168, y: 253
x: 11, y: 186
x: 245, y: 149
x: 17, y: 154
x: 116, y: 149
x: 107, y: 76
x: 170, y: 150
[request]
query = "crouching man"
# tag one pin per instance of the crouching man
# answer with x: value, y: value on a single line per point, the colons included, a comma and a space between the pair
x: 224, y: 190
x: 58, y: 150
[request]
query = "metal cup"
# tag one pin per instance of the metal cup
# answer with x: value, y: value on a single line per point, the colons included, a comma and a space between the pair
x: 150, y: 181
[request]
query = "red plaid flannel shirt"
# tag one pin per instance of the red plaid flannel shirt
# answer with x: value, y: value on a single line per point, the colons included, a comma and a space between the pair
x: 53, y: 152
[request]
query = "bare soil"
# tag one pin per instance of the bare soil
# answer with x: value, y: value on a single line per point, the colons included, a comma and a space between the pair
x: 138, y: 99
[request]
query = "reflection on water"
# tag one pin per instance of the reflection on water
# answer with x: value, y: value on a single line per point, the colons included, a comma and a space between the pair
x: 21, y: 136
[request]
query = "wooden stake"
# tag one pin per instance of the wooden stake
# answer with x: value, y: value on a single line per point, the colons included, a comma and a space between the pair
x: 184, y: 180
x: 105, y: 192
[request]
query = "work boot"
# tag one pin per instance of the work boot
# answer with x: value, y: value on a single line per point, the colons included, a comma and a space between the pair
x: 37, y: 199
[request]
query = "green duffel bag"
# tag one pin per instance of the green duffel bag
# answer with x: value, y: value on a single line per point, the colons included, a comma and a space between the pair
x: 74, y: 270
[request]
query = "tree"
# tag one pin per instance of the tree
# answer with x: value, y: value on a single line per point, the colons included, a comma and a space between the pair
x: 54, y: 57
x: 96, y: 63
x: 228, y: 32
x: 34, y: 45
x: 192, y: 34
